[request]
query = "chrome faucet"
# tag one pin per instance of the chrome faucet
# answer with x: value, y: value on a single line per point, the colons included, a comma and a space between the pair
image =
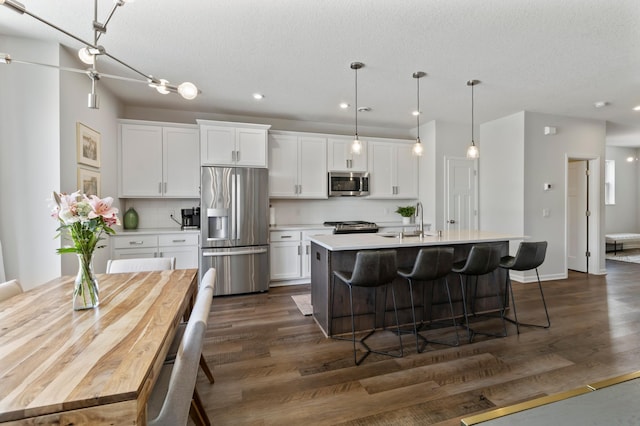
x: 420, y: 219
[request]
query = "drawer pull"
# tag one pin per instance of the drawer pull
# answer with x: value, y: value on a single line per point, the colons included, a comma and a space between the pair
x: 136, y: 243
x: 179, y: 241
x: 285, y: 236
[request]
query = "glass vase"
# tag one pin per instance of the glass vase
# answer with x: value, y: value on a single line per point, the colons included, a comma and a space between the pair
x: 85, y: 290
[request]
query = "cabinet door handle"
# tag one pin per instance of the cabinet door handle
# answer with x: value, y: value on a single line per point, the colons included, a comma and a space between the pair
x: 178, y: 241
x: 307, y: 250
x: 165, y: 187
x: 299, y: 252
x: 285, y: 236
x: 233, y: 156
x: 136, y: 243
x: 299, y: 189
x: 237, y: 155
x: 159, y: 187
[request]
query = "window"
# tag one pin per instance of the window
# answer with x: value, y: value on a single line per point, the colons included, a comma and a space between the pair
x: 609, y: 182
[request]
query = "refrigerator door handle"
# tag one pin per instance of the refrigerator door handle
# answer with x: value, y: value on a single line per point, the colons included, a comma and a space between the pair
x: 234, y: 253
x: 239, y: 206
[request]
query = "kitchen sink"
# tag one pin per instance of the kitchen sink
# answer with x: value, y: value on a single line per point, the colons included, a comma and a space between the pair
x: 388, y: 234
x: 397, y: 234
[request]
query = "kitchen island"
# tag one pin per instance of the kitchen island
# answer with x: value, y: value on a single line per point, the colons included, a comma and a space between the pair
x: 331, y: 253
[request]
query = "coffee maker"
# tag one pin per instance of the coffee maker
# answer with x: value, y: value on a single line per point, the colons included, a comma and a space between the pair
x: 191, y: 218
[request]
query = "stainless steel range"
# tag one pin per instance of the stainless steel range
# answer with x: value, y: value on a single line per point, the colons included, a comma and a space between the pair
x: 353, y: 227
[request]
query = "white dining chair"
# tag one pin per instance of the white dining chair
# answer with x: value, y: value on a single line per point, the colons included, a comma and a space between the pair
x: 115, y: 266
x: 207, y: 281
x: 174, y: 396
x: 10, y: 289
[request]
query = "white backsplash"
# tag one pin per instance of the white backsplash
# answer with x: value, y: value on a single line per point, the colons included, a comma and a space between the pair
x: 154, y: 213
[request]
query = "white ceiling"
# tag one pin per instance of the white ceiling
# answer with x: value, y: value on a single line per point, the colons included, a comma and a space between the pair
x: 552, y: 56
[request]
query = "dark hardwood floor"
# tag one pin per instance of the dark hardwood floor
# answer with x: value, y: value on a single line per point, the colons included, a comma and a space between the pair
x: 274, y: 366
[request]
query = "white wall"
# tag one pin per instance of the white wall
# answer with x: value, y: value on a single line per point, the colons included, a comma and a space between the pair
x: 74, y: 88
x: 516, y: 159
x: 501, y: 175
x: 29, y: 161
x: 623, y: 215
x: 38, y: 118
x: 427, y: 169
x: 546, y: 161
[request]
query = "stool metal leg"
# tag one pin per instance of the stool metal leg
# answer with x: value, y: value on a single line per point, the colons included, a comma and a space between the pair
x: 515, y: 314
x: 464, y: 309
x: 362, y: 340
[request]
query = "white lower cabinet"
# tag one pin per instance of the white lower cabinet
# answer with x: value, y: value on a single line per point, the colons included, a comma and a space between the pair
x: 290, y: 254
x: 182, y: 246
x: 284, y: 254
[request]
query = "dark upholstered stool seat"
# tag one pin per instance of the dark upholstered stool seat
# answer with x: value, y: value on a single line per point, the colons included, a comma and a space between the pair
x: 483, y: 259
x: 529, y: 256
x: 372, y: 269
x: 432, y: 265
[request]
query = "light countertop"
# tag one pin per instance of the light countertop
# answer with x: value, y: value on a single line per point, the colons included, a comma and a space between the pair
x: 340, y: 242
x: 155, y: 231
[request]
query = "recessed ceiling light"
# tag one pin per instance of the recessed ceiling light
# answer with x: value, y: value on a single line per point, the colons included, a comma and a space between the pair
x: 257, y: 96
x: 415, y: 113
x: 636, y: 108
x: 601, y: 104
x: 344, y: 105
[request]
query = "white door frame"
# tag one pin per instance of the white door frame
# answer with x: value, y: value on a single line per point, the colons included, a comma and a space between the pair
x: 595, y: 197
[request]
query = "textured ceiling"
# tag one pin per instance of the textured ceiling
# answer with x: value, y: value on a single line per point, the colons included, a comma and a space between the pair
x: 551, y: 56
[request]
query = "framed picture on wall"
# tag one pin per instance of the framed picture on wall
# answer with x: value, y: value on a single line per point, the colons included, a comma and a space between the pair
x: 88, y: 145
x: 89, y: 181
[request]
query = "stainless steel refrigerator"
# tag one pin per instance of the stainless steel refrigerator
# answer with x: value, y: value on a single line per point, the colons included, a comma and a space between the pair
x: 234, y: 228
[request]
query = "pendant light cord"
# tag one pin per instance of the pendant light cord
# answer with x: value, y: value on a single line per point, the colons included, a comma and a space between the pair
x: 356, y: 108
x: 418, y: 111
x: 472, y: 141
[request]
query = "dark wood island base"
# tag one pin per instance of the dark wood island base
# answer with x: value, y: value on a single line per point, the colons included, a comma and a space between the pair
x: 334, y: 320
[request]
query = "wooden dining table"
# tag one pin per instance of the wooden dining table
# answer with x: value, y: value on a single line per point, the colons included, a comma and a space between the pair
x: 95, y: 366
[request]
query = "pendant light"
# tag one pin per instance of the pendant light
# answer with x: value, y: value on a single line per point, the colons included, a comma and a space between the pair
x: 472, y: 151
x: 417, y: 147
x: 356, y: 146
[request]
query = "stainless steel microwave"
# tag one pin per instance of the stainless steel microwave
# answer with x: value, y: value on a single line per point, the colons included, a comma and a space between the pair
x: 345, y: 184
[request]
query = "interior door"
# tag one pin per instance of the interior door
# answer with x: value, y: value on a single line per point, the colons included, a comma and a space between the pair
x: 577, y: 218
x: 461, y: 194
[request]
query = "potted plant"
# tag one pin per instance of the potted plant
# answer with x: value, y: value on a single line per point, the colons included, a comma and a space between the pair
x: 407, y: 212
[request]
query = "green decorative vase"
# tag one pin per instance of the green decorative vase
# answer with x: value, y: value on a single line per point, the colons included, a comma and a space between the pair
x: 130, y: 219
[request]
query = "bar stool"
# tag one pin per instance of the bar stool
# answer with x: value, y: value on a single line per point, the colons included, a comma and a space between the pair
x: 483, y: 259
x: 431, y: 266
x: 529, y: 256
x: 373, y: 269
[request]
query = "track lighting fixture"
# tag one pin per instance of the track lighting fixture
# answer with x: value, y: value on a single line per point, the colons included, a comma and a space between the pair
x: 92, y: 51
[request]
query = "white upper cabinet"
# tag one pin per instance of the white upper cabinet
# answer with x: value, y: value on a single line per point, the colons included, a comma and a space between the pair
x: 297, y: 166
x: 158, y: 160
x: 233, y: 144
x: 340, y: 158
x: 393, y: 170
